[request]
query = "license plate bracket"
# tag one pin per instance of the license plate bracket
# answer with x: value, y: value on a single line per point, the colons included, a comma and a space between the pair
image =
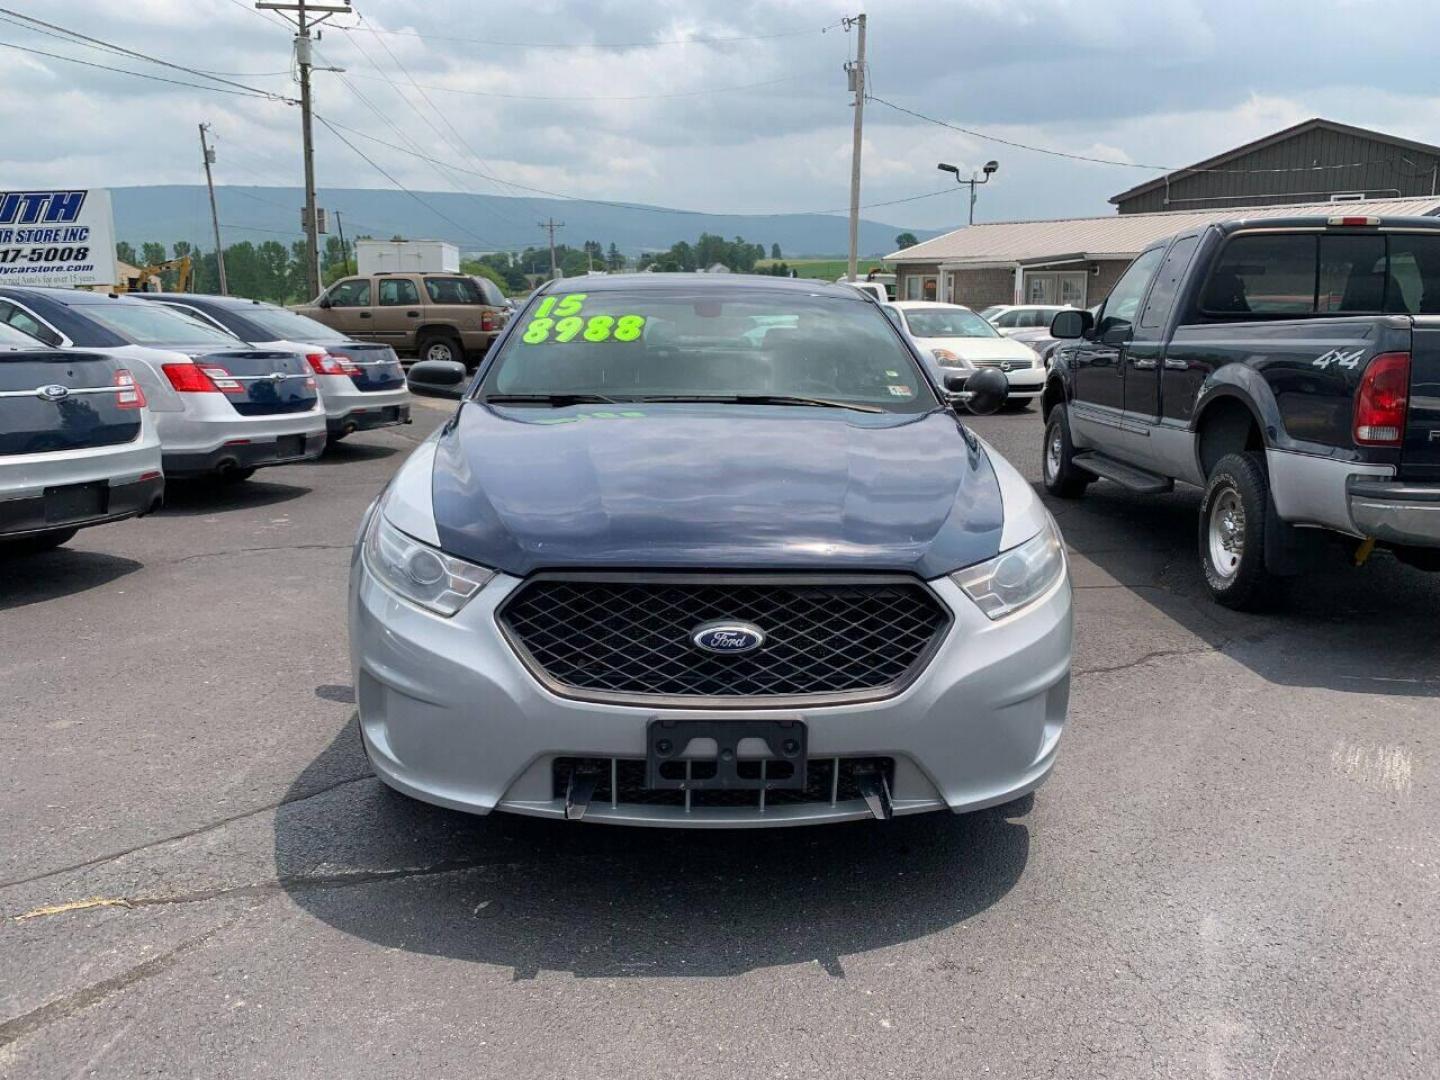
x: 76, y: 502
x: 288, y: 446
x: 747, y: 754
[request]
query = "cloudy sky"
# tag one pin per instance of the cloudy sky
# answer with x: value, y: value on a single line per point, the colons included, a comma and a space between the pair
x: 639, y: 102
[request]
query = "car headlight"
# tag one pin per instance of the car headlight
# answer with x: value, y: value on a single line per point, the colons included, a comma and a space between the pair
x: 949, y: 359
x: 419, y: 573
x: 1014, y: 578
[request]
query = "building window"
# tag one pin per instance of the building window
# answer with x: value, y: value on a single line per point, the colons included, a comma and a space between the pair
x: 1055, y: 287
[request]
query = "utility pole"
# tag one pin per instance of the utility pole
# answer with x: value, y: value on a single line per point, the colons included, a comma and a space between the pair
x: 344, y: 251
x: 208, y: 156
x: 304, y: 23
x: 856, y: 70
x: 551, y: 224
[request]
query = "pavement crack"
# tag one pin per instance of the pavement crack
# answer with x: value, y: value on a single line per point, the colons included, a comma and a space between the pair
x: 63, y: 1007
x: 259, y: 550
x: 102, y: 859
x: 289, y: 884
x: 1156, y: 654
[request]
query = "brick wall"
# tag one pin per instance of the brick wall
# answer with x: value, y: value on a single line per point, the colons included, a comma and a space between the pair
x: 1099, y: 285
x: 978, y: 289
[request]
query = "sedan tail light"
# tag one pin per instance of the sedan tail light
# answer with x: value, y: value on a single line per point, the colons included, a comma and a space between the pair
x: 327, y: 363
x: 130, y: 396
x: 194, y: 379
x: 1380, y: 406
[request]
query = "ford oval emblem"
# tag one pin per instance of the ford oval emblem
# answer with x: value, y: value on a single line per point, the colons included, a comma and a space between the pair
x: 53, y: 392
x: 727, y: 637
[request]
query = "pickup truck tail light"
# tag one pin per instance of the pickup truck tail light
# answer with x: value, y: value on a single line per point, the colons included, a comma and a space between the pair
x: 1380, y: 408
x: 487, y: 321
x: 194, y: 379
x: 129, y: 395
x: 326, y: 363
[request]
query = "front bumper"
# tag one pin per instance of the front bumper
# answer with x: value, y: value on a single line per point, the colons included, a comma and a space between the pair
x: 1395, y: 511
x: 131, y: 472
x: 451, y: 716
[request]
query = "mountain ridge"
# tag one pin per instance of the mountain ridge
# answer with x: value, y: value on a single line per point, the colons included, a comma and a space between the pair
x: 170, y: 212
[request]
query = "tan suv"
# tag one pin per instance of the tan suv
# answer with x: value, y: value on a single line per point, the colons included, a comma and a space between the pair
x: 432, y: 316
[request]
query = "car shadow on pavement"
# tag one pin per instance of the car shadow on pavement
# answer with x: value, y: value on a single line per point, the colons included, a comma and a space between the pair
x: 189, y: 498
x: 338, y: 452
x: 607, y: 901
x: 1369, y: 629
x: 33, y: 579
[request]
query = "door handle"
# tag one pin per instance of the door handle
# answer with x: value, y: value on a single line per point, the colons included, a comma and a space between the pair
x: 1176, y: 365
x: 1143, y: 365
x: 413, y: 314
x: 364, y: 314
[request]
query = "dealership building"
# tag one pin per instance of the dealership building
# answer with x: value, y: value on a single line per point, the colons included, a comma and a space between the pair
x: 1312, y: 169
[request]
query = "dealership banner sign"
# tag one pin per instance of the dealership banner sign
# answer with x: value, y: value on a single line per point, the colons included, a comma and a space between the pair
x: 57, y: 237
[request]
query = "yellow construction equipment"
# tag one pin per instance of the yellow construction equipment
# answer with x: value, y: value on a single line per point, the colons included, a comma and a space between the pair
x: 143, y: 280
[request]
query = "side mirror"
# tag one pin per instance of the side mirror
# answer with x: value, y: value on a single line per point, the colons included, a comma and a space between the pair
x: 438, y: 378
x: 982, y: 392
x: 1071, y: 324
x: 324, y: 302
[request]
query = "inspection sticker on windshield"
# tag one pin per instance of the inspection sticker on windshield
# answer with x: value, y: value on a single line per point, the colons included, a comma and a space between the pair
x: 900, y: 391
x: 559, y: 319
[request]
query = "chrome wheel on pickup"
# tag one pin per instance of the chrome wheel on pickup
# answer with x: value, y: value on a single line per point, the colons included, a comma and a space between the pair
x: 1061, y: 476
x: 1232, y: 533
x: 1227, y: 533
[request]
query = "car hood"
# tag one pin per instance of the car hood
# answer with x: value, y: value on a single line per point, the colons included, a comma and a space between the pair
x: 969, y: 348
x: 712, y: 487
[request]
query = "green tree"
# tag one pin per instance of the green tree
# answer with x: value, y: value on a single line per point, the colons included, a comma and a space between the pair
x: 125, y: 252
x: 775, y: 251
x: 613, y: 259
x: 151, y: 253
x: 906, y: 239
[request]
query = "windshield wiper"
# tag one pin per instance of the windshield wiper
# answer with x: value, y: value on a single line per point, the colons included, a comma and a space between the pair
x: 558, y: 400
x: 768, y: 399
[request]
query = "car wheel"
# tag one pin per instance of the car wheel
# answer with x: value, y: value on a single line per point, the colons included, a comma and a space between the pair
x: 1061, y: 476
x: 442, y: 347
x: 1232, y: 533
x: 39, y: 542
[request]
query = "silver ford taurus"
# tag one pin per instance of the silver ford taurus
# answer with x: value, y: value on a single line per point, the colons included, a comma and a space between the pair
x: 709, y: 552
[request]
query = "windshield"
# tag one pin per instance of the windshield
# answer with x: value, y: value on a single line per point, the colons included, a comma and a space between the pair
x: 154, y: 324
x: 645, y: 344
x: 948, y: 322
x: 291, y: 326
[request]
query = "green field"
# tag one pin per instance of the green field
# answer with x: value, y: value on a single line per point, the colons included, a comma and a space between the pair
x: 824, y: 269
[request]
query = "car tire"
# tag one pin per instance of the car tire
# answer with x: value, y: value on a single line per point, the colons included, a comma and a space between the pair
x: 38, y: 542
x: 1057, y: 459
x: 1232, y: 533
x: 442, y: 347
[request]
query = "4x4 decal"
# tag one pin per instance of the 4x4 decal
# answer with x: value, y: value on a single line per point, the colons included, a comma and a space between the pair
x: 1340, y: 358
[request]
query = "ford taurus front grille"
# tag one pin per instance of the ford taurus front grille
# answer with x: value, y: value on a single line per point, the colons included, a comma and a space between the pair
x: 623, y: 637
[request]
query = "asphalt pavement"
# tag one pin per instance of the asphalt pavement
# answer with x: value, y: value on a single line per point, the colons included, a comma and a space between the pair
x: 1233, y: 872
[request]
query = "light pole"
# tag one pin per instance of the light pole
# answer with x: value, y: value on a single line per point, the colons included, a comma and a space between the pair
x: 990, y: 169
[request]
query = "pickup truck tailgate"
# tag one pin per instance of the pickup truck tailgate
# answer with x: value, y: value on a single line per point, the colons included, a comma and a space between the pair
x: 1420, y: 456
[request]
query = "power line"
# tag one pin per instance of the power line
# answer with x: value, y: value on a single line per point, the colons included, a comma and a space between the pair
x: 698, y: 40
x: 143, y: 75
x: 42, y: 27
x: 334, y: 124
x: 369, y: 161
x: 610, y: 97
x: 1109, y: 161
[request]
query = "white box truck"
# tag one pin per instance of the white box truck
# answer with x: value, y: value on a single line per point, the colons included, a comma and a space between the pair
x: 415, y: 256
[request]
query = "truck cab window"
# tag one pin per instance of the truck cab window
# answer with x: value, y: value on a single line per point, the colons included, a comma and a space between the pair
x: 353, y: 293
x: 1167, y: 283
x: 396, y: 292
x: 1123, y: 303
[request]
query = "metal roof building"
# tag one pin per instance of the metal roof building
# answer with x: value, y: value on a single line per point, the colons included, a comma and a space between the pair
x: 1076, y: 260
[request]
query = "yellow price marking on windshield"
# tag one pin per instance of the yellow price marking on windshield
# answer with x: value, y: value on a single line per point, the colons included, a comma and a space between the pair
x: 596, y: 328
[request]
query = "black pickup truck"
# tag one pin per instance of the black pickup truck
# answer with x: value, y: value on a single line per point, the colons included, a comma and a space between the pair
x: 1290, y: 367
